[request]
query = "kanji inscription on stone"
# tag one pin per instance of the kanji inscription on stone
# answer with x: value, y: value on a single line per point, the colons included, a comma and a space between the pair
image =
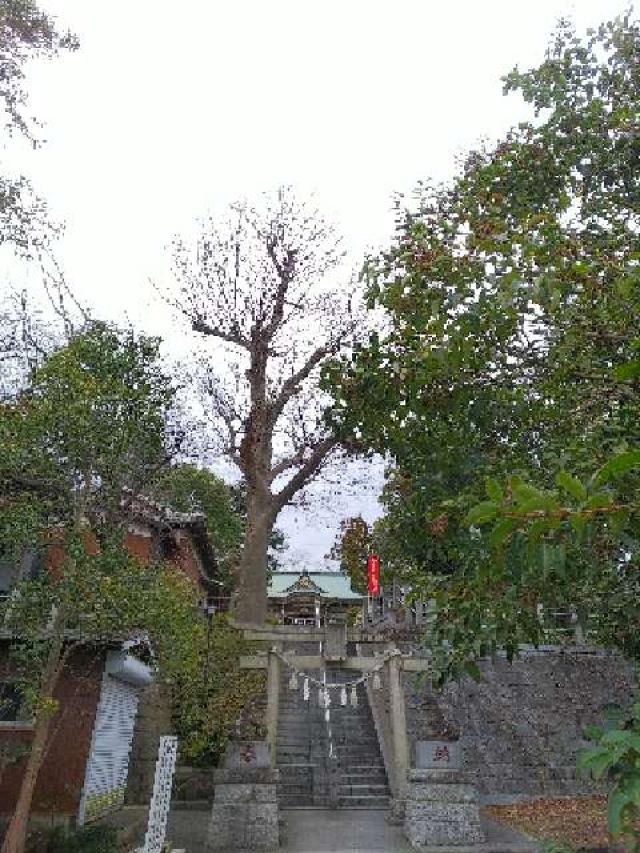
x: 437, y: 754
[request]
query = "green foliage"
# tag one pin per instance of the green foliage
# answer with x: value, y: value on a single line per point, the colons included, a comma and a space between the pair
x: 106, y: 596
x: 75, y: 448
x: 84, y: 441
x: 352, y: 548
x: 187, y: 489
x: 209, y: 704
x: 616, y: 754
x: 89, y: 839
x: 504, y: 388
x: 507, y: 387
x: 89, y: 430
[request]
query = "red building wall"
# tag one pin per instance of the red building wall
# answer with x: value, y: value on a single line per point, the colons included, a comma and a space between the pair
x: 61, y: 779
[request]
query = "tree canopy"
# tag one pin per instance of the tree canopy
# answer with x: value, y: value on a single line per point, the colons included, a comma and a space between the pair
x: 512, y: 296
x: 351, y: 548
x: 187, y: 488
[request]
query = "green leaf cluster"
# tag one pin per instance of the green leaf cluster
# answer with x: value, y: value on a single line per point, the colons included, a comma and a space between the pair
x: 616, y: 754
x: 187, y: 488
x: 76, y: 447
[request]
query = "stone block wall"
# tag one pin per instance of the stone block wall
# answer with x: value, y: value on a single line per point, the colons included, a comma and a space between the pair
x: 441, y: 810
x: 245, y: 813
x: 521, y: 726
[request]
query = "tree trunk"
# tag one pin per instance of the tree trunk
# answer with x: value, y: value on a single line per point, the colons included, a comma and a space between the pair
x: 16, y: 836
x: 252, y: 570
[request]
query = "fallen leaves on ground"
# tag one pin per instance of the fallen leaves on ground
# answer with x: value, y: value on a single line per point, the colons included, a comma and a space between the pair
x: 576, y: 821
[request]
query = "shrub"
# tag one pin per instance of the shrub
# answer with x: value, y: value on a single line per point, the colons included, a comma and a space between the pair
x: 90, y: 839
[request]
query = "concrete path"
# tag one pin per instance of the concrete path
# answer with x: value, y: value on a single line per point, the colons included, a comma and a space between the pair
x: 328, y: 831
x: 342, y: 831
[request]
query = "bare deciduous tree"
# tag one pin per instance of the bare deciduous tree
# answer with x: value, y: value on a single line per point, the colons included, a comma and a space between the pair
x: 259, y: 283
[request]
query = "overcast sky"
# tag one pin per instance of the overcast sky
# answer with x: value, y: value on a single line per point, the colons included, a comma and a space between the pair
x: 172, y: 108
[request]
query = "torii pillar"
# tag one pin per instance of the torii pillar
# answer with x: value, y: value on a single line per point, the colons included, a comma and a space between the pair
x: 274, y: 669
x: 398, y: 725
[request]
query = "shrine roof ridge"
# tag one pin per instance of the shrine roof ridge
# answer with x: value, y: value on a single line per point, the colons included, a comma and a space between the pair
x: 335, y: 585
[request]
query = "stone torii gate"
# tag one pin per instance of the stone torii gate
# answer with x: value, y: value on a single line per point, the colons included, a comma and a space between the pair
x: 333, y: 649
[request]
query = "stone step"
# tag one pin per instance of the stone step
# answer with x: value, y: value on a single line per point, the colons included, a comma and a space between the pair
x: 190, y: 805
x: 301, y: 731
x: 292, y: 771
x: 355, y: 749
x: 364, y: 802
x: 296, y: 801
x: 357, y: 779
x: 381, y: 790
x: 294, y: 737
x: 299, y: 794
x: 342, y: 740
x: 317, y: 729
x: 377, y: 777
x: 302, y: 794
x: 375, y: 765
x: 354, y: 736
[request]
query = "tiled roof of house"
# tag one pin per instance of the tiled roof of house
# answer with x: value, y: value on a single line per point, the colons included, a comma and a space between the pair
x: 325, y: 584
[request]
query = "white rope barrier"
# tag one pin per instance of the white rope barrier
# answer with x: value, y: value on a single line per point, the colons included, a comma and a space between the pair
x: 324, y: 686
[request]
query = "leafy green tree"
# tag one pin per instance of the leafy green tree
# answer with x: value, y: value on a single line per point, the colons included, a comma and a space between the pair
x: 187, y: 489
x: 209, y: 707
x: 351, y: 548
x: 513, y: 416
x: 75, y: 449
x: 617, y: 754
x: 512, y: 296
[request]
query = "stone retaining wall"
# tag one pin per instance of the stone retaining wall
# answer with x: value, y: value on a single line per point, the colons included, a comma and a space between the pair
x: 521, y: 726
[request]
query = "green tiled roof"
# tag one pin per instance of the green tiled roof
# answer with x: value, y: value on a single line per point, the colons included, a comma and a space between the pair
x: 328, y: 585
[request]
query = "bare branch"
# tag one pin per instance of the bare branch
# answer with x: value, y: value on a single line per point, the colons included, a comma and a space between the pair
x: 309, y: 469
x: 286, y: 464
x: 204, y: 328
x: 258, y: 281
x: 291, y: 385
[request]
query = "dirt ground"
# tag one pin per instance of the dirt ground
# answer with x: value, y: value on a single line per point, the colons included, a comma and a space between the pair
x: 579, y: 822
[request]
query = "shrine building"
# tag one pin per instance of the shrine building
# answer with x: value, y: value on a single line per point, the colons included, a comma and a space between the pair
x: 312, y: 598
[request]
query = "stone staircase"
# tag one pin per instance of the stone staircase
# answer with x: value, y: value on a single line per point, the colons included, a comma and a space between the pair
x: 355, y: 777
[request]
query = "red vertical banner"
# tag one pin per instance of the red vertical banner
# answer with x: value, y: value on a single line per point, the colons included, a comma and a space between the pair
x: 373, y: 574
